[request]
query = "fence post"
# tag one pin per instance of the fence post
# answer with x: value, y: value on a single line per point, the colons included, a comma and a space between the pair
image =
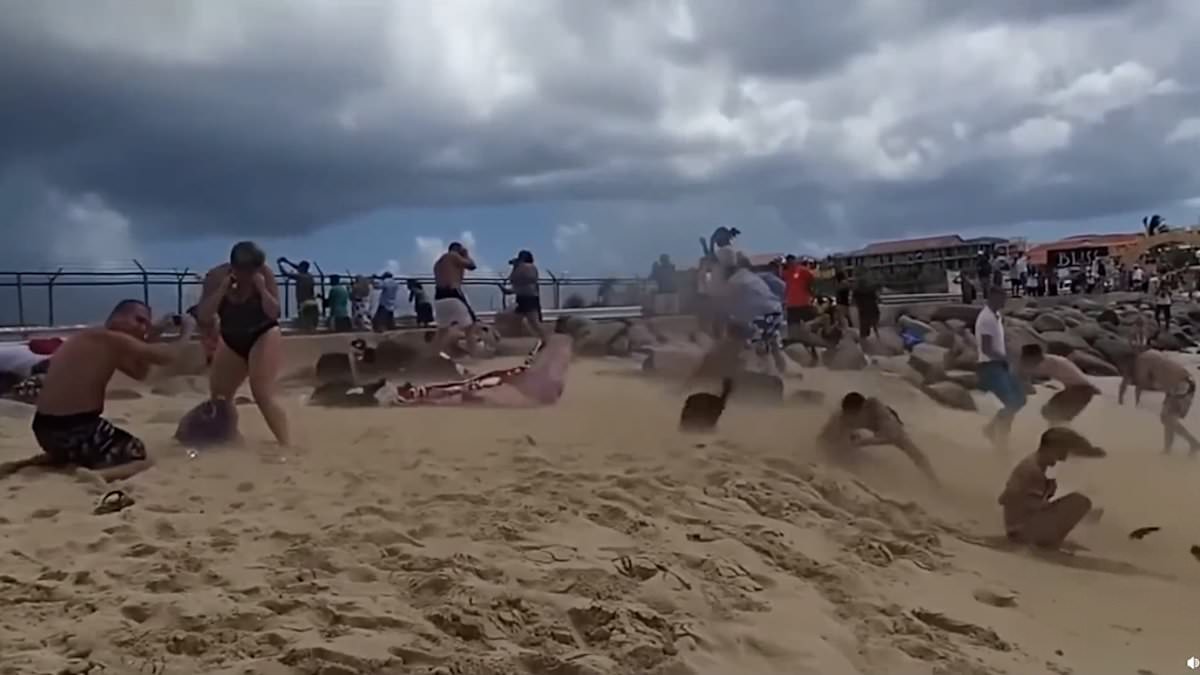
x: 179, y: 276
x: 50, y: 294
x: 20, y: 300
x: 557, y: 290
x: 145, y: 282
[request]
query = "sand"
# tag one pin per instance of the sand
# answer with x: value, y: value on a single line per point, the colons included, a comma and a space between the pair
x: 593, y: 538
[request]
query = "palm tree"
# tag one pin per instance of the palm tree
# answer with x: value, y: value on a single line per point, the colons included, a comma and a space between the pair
x: 1154, y: 224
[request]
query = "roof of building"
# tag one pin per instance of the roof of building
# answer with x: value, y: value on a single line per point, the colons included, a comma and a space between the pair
x: 919, y: 244
x: 1039, y: 254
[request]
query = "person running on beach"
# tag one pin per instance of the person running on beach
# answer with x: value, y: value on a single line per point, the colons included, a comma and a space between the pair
x: 540, y: 381
x: 995, y: 376
x: 337, y: 303
x: 1078, y: 391
x: 306, y: 292
x: 243, y: 294
x: 1031, y: 513
x: 523, y: 281
x: 1153, y: 370
x: 862, y: 413
x: 69, y: 424
x: 450, y: 307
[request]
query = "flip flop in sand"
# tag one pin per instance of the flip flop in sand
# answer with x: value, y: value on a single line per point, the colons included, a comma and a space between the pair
x: 113, y: 502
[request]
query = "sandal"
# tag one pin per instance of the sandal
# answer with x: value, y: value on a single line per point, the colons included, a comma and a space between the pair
x: 113, y: 502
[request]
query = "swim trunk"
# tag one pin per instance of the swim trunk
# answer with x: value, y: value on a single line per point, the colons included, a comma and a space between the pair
x: 1178, y: 402
x: 310, y: 315
x: 997, y: 378
x: 450, y: 308
x: 529, y: 304
x: 87, y: 440
x: 1067, y: 404
x: 768, y: 333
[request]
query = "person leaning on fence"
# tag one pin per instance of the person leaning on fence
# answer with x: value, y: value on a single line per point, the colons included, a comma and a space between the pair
x: 306, y: 292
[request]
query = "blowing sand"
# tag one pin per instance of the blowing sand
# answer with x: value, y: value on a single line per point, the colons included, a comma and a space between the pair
x: 592, y: 538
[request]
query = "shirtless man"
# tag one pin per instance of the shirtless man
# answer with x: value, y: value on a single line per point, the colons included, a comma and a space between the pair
x: 450, y: 307
x: 68, y: 424
x: 1031, y: 514
x: 858, y: 413
x: 1153, y: 370
x: 1078, y: 390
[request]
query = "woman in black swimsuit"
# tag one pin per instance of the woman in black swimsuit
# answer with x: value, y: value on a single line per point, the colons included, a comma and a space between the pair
x: 244, y: 296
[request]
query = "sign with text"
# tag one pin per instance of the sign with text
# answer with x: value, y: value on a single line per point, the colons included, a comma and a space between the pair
x: 1077, y: 257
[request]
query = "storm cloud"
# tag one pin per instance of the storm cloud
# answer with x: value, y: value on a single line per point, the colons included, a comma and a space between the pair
x: 821, y: 121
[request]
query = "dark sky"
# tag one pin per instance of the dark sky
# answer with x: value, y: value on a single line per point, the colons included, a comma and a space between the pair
x: 612, y: 129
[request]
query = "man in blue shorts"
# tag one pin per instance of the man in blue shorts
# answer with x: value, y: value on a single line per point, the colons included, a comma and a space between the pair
x: 995, y: 373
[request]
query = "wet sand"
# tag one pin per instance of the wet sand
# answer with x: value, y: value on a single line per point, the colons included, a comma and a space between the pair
x: 593, y: 538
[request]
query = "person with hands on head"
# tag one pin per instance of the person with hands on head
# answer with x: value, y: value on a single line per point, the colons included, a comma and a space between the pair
x: 450, y: 307
x: 69, y: 424
x: 243, y: 294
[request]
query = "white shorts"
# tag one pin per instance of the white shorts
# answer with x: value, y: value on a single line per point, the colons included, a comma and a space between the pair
x: 451, y: 312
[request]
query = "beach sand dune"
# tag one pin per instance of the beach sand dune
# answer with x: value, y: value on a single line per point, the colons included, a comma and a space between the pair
x: 592, y: 538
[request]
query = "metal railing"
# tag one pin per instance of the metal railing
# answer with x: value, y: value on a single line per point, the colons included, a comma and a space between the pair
x: 159, y: 288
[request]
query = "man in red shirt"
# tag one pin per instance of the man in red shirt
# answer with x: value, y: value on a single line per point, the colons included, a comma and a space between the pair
x: 799, y: 280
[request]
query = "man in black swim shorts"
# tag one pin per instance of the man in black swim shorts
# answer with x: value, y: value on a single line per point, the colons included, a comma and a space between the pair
x: 68, y: 424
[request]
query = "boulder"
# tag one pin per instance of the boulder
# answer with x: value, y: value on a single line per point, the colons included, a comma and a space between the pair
x: 1168, y: 341
x: 958, y: 325
x: 1017, y: 334
x: 1088, y: 330
x: 1063, y: 343
x: 847, y: 355
x: 899, y: 366
x: 965, y: 313
x: 929, y: 360
x: 1108, y: 317
x: 1046, y: 323
x: 801, y: 355
x: 886, y: 342
x: 673, y: 361
x: 1115, y: 350
x: 951, y: 395
x: 967, y: 379
x: 640, y: 336
x: 915, y: 326
x: 962, y: 356
x: 942, y: 338
x: 1025, y: 314
x: 1093, y: 365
